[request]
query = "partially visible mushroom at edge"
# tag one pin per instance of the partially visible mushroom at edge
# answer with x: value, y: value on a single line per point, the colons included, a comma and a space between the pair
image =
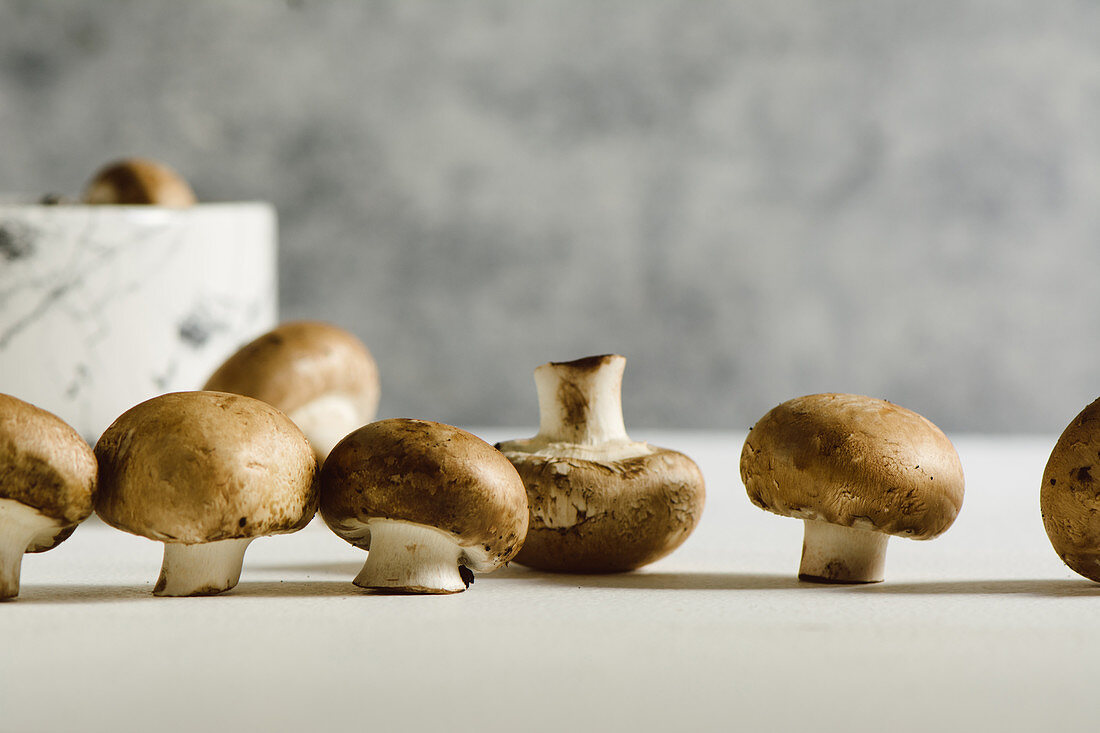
x: 1070, y: 494
x: 48, y: 485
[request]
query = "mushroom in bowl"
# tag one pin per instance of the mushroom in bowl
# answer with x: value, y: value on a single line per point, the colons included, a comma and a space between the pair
x: 138, y: 181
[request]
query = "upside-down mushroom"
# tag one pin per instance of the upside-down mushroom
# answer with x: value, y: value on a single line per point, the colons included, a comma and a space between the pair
x: 600, y: 502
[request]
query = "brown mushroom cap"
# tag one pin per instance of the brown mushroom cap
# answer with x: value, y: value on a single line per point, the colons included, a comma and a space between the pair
x: 1070, y: 496
x: 138, y: 181
x: 607, y: 516
x: 198, y: 467
x: 854, y: 461
x: 426, y: 473
x: 45, y: 465
x: 298, y: 362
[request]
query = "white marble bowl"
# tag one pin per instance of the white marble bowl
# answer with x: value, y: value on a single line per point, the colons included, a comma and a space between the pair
x: 102, y: 307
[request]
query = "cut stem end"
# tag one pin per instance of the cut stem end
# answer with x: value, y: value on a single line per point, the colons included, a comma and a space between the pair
x: 581, y: 401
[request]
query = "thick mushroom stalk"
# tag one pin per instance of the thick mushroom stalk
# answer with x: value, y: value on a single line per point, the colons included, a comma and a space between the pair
x: 406, y: 557
x: 832, y: 553
x: 20, y: 526
x: 201, y: 569
x: 580, y: 402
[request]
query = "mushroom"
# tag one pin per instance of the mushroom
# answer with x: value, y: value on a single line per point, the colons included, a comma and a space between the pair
x: 1070, y: 496
x: 205, y: 473
x: 320, y: 375
x: 47, y: 485
x: 857, y: 470
x: 138, y: 181
x: 431, y: 503
x: 600, y: 502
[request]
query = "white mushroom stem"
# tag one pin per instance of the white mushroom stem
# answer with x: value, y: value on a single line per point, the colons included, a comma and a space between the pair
x: 326, y: 420
x: 832, y: 553
x: 411, y: 558
x: 20, y: 526
x: 202, y: 569
x: 581, y: 401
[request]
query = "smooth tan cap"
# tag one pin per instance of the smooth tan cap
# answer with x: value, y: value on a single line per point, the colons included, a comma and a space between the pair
x: 198, y: 467
x: 854, y: 461
x: 299, y: 362
x: 426, y: 473
x: 44, y: 463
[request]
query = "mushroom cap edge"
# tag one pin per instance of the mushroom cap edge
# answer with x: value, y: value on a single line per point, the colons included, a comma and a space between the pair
x: 50, y: 467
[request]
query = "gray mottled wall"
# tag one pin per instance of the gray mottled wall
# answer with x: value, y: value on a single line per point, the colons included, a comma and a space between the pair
x: 750, y: 200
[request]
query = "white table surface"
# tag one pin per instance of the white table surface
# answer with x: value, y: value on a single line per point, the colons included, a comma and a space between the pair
x: 983, y: 628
